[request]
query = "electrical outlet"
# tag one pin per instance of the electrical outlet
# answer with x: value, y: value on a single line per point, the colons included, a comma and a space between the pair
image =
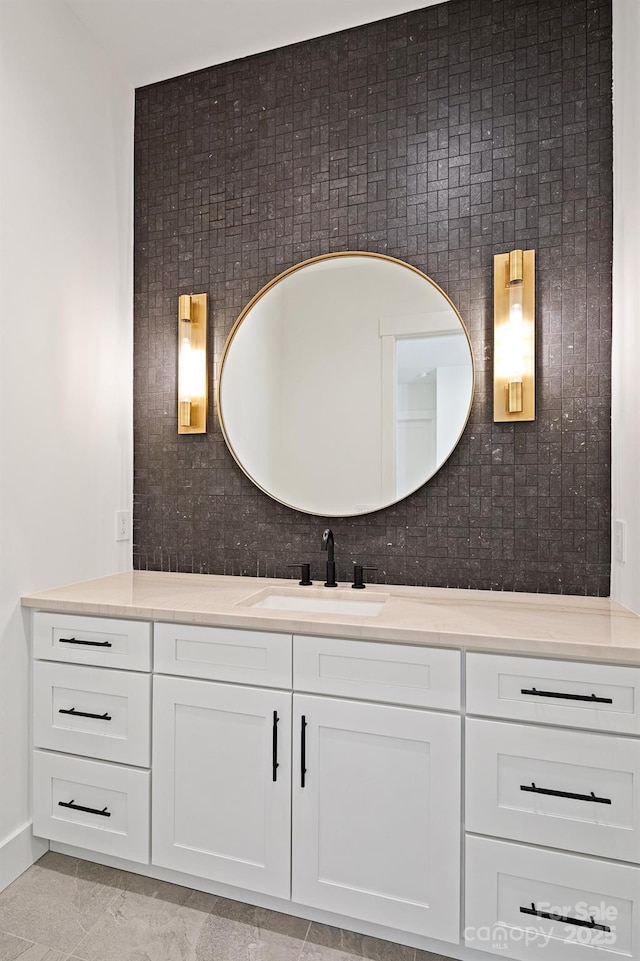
x: 620, y: 541
x: 123, y: 525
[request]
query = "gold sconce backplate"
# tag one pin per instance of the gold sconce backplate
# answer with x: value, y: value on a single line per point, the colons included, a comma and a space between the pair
x: 514, y: 337
x: 192, y: 364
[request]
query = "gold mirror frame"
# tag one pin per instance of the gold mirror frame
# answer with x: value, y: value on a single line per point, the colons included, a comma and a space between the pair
x: 259, y: 296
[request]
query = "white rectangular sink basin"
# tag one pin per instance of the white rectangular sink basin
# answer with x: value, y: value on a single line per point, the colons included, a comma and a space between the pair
x: 334, y: 602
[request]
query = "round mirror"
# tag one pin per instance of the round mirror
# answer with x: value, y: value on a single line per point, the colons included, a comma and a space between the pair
x: 345, y: 384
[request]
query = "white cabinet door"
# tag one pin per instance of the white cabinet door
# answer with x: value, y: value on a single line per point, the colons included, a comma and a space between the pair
x: 376, y: 814
x: 221, y: 806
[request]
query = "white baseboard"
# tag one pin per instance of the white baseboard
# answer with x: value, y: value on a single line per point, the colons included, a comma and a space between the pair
x: 18, y: 852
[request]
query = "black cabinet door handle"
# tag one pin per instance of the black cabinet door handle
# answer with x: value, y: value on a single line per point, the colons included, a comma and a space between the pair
x: 303, y: 750
x: 274, y: 755
x: 591, y: 698
x: 552, y: 793
x: 80, y: 807
x: 99, y: 717
x: 579, y: 922
x: 74, y: 640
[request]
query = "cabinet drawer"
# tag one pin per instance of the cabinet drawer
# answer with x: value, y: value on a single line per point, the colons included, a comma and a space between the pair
x: 419, y: 676
x: 92, y: 711
x: 526, y: 903
x: 563, y: 789
x: 223, y: 654
x: 595, y: 696
x: 101, y: 641
x: 98, y: 806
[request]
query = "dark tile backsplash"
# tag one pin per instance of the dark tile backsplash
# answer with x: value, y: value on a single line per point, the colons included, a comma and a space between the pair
x: 440, y: 137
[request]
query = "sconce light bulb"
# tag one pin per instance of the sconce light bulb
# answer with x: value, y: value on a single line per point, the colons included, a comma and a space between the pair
x: 515, y: 336
x: 192, y: 371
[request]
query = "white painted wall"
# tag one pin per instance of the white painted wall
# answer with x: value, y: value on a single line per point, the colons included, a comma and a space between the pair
x: 65, y: 335
x: 157, y: 40
x: 625, y: 578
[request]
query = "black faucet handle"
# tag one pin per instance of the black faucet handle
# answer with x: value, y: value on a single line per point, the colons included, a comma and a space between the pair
x: 358, y: 576
x: 305, y: 574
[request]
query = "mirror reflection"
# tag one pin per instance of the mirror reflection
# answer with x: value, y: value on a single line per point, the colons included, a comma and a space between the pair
x: 345, y: 384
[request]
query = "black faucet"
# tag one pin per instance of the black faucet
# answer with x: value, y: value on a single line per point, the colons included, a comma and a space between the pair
x: 327, y: 545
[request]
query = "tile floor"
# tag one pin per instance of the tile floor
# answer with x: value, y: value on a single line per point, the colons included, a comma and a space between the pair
x: 63, y: 909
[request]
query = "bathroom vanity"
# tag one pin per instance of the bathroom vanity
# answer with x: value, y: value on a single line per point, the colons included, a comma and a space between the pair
x: 454, y: 770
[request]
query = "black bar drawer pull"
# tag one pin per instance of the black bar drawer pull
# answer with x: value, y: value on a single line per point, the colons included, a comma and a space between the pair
x: 80, y: 807
x: 73, y: 640
x: 576, y: 797
x: 303, y: 751
x: 579, y: 922
x: 591, y: 698
x: 99, y: 717
x: 274, y: 757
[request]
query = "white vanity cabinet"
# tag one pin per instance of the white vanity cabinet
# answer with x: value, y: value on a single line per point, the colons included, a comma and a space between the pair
x: 376, y: 816
x: 457, y: 792
x: 324, y: 776
x: 222, y: 783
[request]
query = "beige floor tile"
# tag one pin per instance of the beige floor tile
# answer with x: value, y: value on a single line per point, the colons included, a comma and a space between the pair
x: 58, y: 900
x: 149, y: 921
x: 428, y: 956
x: 17, y: 949
x: 241, y: 932
x: 63, y: 909
x: 325, y: 943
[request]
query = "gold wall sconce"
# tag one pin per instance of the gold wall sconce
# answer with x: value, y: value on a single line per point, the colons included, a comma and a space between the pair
x: 192, y: 364
x: 514, y: 336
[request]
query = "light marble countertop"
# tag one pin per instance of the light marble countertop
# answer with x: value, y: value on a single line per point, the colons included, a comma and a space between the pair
x: 553, y: 625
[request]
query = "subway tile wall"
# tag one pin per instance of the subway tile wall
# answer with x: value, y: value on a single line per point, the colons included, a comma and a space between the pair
x: 440, y: 137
